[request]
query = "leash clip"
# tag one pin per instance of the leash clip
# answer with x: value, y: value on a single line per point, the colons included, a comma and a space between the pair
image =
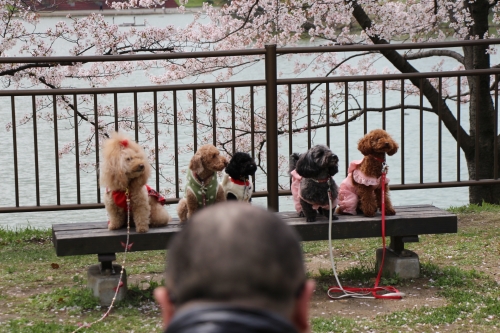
x: 385, y: 167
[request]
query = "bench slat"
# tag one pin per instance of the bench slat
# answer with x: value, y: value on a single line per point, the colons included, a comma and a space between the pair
x: 94, y: 237
x: 79, y: 226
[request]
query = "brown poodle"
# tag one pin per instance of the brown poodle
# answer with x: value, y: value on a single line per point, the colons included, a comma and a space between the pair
x: 125, y: 167
x: 361, y: 189
x: 202, y: 187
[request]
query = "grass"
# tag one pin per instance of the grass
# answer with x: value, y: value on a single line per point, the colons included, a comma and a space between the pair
x: 25, y: 235
x: 472, y: 296
x: 40, y: 292
x: 199, y: 3
x: 474, y: 208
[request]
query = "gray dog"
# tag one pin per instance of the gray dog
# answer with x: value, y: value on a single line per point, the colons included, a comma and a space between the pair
x: 312, y: 177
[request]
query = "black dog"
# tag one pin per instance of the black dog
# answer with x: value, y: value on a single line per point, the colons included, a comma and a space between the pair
x: 236, y: 182
x: 312, y: 177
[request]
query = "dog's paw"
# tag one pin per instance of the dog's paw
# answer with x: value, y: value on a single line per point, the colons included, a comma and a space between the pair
x: 141, y: 228
x: 369, y: 214
x: 301, y: 214
x: 311, y: 219
x: 326, y: 213
x: 390, y: 211
x: 113, y: 225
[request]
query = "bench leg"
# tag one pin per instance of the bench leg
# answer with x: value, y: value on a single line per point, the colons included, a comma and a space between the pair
x: 106, y: 260
x: 104, y: 279
x: 397, y: 244
x: 398, y: 261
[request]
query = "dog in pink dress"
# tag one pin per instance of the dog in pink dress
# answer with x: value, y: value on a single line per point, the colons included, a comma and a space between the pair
x: 361, y: 190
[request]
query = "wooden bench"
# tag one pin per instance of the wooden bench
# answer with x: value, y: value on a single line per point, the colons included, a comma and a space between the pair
x: 406, y: 226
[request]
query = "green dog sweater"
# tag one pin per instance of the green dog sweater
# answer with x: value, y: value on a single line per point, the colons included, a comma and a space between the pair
x: 198, y: 189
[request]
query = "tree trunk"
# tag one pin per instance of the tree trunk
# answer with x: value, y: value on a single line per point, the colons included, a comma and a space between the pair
x: 481, y: 111
x: 480, y: 161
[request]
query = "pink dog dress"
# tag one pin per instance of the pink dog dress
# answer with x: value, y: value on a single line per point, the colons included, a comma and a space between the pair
x: 348, y: 198
x: 295, y: 187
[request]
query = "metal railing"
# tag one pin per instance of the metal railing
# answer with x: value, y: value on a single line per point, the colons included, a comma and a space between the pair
x: 299, y: 123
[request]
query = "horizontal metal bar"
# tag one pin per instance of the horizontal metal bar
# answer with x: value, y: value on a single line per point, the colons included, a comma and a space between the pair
x: 53, y: 208
x: 417, y: 186
x: 257, y: 194
x: 246, y: 52
x: 88, y: 91
x: 464, y: 183
x: 388, y: 77
x: 386, y: 47
x: 49, y: 208
x: 131, y: 57
x: 229, y: 84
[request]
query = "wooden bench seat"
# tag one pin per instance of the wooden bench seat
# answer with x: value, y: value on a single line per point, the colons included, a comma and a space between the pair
x: 410, y: 221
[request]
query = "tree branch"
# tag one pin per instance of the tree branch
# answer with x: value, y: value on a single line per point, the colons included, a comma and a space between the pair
x: 402, y: 64
x: 24, y: 67
x: 245, y: 21
x: 70, y: 105
x: 435, y: 53
x: 358, y: 112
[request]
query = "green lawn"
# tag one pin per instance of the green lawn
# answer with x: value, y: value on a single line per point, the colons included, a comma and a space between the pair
x: 40, y: 292
x: 199, y: 3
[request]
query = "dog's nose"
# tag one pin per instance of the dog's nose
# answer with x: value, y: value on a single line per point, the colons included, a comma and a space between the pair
x: 140, y: 166
x: 387, y: 145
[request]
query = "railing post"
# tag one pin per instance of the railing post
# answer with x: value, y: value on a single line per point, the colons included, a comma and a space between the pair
x: 272, y: 128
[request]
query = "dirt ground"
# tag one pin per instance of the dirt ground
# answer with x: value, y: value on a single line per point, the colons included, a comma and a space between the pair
x: 417, y: 295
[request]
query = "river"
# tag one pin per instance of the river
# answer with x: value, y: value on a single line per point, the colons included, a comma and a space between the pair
x: 439, y: 197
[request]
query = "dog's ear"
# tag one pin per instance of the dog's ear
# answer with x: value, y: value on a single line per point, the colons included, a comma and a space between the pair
x: 231, y: 169
x: 196, y: 164
x: 112, y: 168
x: 306, y: 166
x: 251, y: 168
x: 293, y: 162
x: 365, y: 146
x: 144, y: 177
x: 394, y: 148
x: 334, y: 168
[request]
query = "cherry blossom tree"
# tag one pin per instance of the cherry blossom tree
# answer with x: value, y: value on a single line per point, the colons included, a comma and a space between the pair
x: 342, y: 22
x: 94, y: 35
x: 243, y: 24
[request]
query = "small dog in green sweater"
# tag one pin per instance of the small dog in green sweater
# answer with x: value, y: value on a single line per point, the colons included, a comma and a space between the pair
x: 202, y: 188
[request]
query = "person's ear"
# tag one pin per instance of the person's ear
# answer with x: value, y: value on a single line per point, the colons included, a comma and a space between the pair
x: 166, y: 306
x: 300, y: 314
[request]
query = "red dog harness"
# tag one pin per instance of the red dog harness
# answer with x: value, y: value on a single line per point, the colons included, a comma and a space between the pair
x: 121, y: 200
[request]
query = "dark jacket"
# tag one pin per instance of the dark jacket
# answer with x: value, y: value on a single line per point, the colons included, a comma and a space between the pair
x: 221, y: 319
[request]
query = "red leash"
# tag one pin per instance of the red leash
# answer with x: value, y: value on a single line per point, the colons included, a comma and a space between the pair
x: 393, y: 293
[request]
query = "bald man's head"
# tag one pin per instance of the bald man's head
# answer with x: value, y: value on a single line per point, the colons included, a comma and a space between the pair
x: 236, y: 253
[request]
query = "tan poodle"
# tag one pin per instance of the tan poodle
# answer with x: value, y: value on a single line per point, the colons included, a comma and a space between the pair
x: 361, y: 189
x: 125, y: 167
x: 202, y: 187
